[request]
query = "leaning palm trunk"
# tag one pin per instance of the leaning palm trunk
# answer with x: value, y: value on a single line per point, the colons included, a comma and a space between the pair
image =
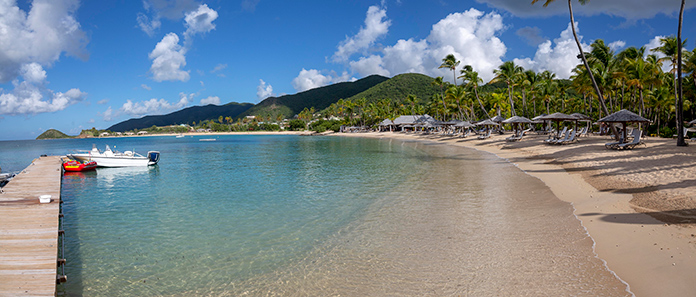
x: 479, y: 101
x: 589, y: 71
x: 512, y: 104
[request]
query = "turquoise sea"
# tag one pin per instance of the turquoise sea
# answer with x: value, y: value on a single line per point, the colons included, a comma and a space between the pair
x: 298, y: 216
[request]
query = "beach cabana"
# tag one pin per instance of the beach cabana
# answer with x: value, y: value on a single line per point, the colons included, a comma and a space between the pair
x: 497, y: 119
x: 517, y: 120
x: 558, y: 117
x: 581, y: 118
x: 623, y: 116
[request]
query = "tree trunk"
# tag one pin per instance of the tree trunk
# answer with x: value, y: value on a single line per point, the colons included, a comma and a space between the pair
x: 479, y: 101
x: 680, y: 102
x: 512, y: 104
x: 587, y: 67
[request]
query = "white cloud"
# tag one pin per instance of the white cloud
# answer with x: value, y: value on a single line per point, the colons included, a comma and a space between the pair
x: 199, y: 21
x: 470, y: 36
x: 146, y: 87
x: 559, y: 57
x: 374, y: 28
x: 103, y: 101
x: 628, y: 9
x: 28, y: 95
x: 148, y: 26
x: 218, y: 67
x: 617, y: 45
x: 211, y: 100
x: 108, y: 115
x: 33, y: 73
x: 39, y: 36
x: 263, y: 90
x: 29, y: 99
x: 249, y: 5
x: 312, y: 78
x: 654, y: 43
x: 168, y: 59
x: 153, y: 106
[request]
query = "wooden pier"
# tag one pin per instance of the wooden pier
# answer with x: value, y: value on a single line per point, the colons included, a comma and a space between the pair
x: 29, y: 231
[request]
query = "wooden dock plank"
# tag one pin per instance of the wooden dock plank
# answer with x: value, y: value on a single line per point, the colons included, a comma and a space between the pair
x: 29, y: 230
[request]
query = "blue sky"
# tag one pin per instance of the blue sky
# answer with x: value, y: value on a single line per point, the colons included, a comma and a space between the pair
x: 73, y: 65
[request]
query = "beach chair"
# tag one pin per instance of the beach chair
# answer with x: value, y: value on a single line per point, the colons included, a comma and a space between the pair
x: 556, y: 137
x: 630, y: 145
x: 564, y: 139
x: 465, y: 134
x: 573, y: 138
x: 517, y: 136
x: 487, y: 135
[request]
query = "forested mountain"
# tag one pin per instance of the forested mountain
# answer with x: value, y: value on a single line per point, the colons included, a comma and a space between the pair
x: 185, y: 116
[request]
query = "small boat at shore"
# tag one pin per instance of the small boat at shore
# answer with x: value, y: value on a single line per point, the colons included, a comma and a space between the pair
x: 74, y: 165
x: 111, y: 158
x: 207, y: 139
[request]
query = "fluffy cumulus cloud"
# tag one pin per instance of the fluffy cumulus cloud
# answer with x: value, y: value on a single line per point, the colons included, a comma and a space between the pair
x: 559, y: 56
x: 655, y: 43
x: 31, y: 41
x: 199, y: 21
x: 153, y: 106
x: 617, y: 45
x: 312, y: 78
x: 263, y: 90
x: 168, y: 58
x: 211, y: 100
x: 28, y: 96
x: 375, y: 27
x: 628, y: 9
x: 471, y: 36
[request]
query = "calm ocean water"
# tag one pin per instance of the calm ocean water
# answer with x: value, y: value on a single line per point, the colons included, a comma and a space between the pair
x: 288, y: 215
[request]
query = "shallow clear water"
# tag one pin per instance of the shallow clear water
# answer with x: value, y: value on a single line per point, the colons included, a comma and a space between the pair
x: 298, y: 216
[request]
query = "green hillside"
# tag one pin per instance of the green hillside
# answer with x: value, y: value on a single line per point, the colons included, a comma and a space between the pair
x: 185, y: 116
x: 319, y: 98
x: 399, y: 87
x: 53, y: 134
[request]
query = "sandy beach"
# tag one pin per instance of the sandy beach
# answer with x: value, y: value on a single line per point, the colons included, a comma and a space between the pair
x: 636, y: 204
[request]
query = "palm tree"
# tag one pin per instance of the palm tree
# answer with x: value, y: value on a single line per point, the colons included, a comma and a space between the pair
x: 457, y: 94
x: 471, y: 78
x: 450, y: 62
x: 680, y: 101
x: 439, y: 81
x: 508, y: 72
x: 640, y: 75
x: 671, y: 48
x: 584, y: 61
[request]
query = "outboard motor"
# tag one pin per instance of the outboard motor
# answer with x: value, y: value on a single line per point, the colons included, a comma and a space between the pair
x: 153, y: 156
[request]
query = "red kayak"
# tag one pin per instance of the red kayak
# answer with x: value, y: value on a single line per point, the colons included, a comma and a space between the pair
x: 75, y: 166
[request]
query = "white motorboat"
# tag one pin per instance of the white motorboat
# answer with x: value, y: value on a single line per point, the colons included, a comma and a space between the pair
x: 111, y: 158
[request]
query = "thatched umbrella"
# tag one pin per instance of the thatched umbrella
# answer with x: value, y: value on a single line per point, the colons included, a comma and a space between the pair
x: 487, y: 122
x: 582, y: 118
x: 623, y: 116
x: 517, y: 120
x: 692, y: 122
x: 497, y: 119
x: 558, y: 117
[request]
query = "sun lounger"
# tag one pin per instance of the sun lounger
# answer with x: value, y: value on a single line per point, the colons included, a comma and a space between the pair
x: 554, y: 139
x: 565, y: 138
x: 573, y: 138
x: 487, y: 135
x: 630, y: 145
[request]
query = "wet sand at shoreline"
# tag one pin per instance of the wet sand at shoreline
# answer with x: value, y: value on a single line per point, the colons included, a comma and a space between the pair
x: 464, y: 224
x: 608, y: 190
